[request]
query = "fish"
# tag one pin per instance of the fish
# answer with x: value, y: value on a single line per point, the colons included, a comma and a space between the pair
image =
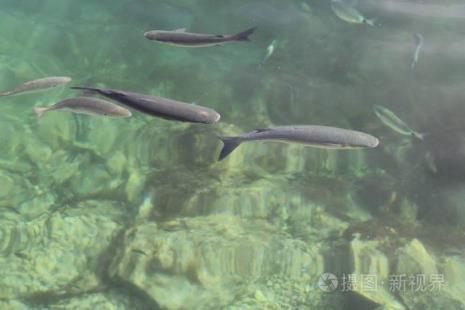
x: 86, y: 105
x: 270, y: 51
x: 182, y: 38
x: 312, y: 135
x: 165, y: 108
x: 38, y: 85
x: 349, y: 14
x: 395, y: 123
x: 418, y: 40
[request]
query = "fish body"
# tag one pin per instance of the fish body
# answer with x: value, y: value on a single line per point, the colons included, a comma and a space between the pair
x: 160, y: 107
x: 270, y: 50
x: 312, y: 135
x: 182, y: 38
x: 38, y: 85
x: 86, y: 105
x: 394, y: 122
x: 418, y: 40
x: 349, y: 14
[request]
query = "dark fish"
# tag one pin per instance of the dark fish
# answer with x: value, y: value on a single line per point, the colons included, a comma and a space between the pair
x: 161, y: 107
x: 182, y: 38
x: 86, y: 105
x: 38, y: 85
x: 317, y: 136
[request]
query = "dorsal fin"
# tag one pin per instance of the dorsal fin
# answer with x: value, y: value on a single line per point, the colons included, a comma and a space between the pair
x: 180, y: 30
x: 261, y: 129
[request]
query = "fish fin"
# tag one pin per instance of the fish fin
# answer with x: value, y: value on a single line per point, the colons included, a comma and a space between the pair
x: 244, y: 36
x: 261, y: 129
x: 229, y: 145
x: 39, y: 111
x: 180, y: 30
x: 87, y: 89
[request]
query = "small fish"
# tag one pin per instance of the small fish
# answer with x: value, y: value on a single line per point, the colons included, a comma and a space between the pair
x: 317, y: 136
x: 38, y: 85
x: 160, y: 107
x: 86, y: 105
x: 182, y: 38
x: 270, y: 51
x: 418, y: 40
x: 349, y: 14
x: 394, y: 122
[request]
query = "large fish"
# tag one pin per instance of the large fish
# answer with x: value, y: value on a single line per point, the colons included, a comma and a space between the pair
x: 394, y: 122
x: 86, y: 105
x: 317, y: 136
x: 161, y: 107
x: 349, y: 14
x: 182, y: 38
x: 38, y: 85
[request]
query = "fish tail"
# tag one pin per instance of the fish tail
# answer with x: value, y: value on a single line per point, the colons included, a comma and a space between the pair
x: 229, y: 145
x: 39, y: 111
x: 244, y: 36
x: 420, y: 136
x: 371, y: 22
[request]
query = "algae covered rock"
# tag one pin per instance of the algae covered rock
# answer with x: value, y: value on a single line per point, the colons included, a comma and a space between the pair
x: 205, y: 263
x: 58, y: 254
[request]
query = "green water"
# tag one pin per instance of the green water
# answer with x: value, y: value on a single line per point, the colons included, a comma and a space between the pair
x: 100, y: 213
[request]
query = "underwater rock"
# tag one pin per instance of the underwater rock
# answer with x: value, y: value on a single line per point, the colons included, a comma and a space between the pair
x: 7, y: 186
x: 413, y: 258
x: 38, y: 152
x: 454, y: 275
x: 97, y: 181
x: 205, y: 262
x: 135, y: 185
x: 60, y: 254
x: 369, y: 260
x: 112, y: 300
x: 56, y: 130
x: 117, y: 163
x: 17, y: 235
x: 37, y: 206
x: 15, y: 305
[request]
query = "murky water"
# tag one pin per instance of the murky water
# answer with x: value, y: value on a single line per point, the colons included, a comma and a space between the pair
x: 137, y: 213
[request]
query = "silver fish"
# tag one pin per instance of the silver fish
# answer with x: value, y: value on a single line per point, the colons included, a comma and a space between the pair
x: 182, y: 38
x: 394, y: 122
x: 270, y: 51
x: 159, y: 107
x: 38, y: 85
x: 349, y: 14
x: 418, y: 40
x: 317, y: 136
x: 86, y: 105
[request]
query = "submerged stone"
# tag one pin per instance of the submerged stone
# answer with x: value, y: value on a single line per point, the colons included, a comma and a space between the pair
x: 204, y: 262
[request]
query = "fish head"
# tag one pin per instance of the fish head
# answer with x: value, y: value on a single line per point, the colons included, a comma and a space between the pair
x: 208, y: 116
x: 120, y: 112
x: 152, y: 35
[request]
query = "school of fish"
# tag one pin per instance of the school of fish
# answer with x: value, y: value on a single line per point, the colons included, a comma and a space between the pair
x: 169, y: 109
